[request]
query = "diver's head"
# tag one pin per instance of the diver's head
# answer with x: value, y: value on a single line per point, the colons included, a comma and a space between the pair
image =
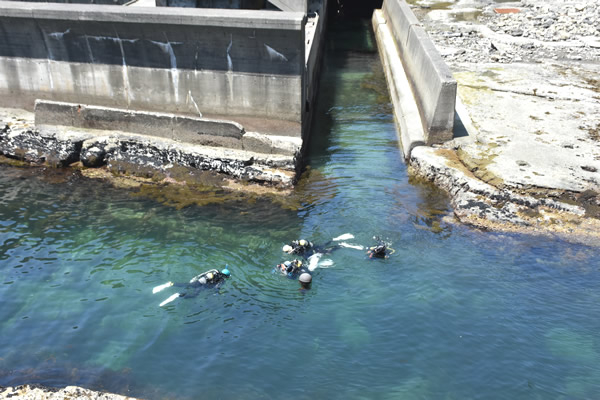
x: 305, y: 279
x: 379, y: 251
x: 288, y: 266
x: 288, y: 249
x: 302, y: 242
x: 226, y: 272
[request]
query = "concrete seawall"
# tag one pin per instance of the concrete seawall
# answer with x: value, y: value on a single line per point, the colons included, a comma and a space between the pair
x: 421, y: 85
x: 229, y: 89
x: 226, y: 62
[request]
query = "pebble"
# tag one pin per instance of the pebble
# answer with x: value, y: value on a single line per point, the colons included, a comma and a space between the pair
x: 558, y: 30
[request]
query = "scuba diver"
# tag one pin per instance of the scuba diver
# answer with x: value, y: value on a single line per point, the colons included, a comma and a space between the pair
x: 307, y: 249
x: 301, y: 247
x: 290, y: 268
x: 381, y: 250
x: 209, y: 279
x: 305, y: 280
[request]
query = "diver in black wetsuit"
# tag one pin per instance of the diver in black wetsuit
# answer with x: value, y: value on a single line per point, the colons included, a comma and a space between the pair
x: 206, y: 280
x: 306, y: 249
x: 381, y: 250
x: 290, y: 268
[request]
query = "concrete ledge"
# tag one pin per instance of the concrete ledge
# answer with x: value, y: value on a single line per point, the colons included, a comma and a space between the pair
x: 406, y: 112
x: 431, y: 81
x: 259, y: 143
x: 186, y: 129
x: 248, y: 19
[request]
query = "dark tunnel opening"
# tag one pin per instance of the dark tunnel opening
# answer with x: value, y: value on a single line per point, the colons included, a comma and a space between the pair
x: 353, y: 8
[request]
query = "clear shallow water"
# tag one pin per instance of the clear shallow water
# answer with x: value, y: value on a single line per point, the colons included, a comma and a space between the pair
x: 453, y: 314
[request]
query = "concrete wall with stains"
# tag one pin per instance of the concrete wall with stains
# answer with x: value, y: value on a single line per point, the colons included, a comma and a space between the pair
x: 191, y: 61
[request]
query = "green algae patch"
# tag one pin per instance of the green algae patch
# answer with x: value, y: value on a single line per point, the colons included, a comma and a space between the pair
x: 13, y: 162
x: 454, y: 161
x: 182, y: 187
x: 181, y: 196
x: 478, y: 165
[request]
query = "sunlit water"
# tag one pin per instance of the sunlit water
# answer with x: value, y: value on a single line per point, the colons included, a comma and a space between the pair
x: 454, y: 313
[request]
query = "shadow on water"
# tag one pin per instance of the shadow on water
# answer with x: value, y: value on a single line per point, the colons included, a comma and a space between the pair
x: 347, y: 41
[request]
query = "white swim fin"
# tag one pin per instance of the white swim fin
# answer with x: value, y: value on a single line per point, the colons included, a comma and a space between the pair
x: 313, y: 261
x: 345, y: 236
x: 169, y: 299
x: 352, y: 246
x: 162, y: 287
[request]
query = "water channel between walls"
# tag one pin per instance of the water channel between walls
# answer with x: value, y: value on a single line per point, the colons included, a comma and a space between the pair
x: 453, y: 313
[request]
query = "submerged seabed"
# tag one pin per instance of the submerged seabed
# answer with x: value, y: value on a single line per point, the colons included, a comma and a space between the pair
x: 453, y: 314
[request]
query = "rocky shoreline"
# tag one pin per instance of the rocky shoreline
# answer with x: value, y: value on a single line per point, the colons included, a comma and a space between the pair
x: 527, y: 154
x: 36, y: 392
x: 192, y: 173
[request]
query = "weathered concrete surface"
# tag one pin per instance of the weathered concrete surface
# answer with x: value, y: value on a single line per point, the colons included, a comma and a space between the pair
x: 31, y: 392
x: 232, y: 62
x: 171, y: 126
x: 434, y: 88
x: 180, y: 128
x: 529, y: 155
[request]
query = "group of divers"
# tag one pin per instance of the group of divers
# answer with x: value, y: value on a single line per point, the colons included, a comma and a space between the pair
x: 294, y: 269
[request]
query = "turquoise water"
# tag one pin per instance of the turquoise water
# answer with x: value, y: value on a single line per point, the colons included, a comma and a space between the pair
x: 454, y: 313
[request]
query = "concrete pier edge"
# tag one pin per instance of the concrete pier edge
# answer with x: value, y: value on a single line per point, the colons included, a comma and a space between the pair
x: 406, y: 112
x: 410, y: 57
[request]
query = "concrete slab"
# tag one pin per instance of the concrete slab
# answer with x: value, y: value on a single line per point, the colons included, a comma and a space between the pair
x: 529, y: 156
x: 529, y: 139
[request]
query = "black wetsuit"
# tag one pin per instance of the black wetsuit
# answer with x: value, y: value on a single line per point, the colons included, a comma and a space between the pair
x: 379, y: 251
x: 194, y: 286
x: 309, y: 249
x: 292, y: 270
